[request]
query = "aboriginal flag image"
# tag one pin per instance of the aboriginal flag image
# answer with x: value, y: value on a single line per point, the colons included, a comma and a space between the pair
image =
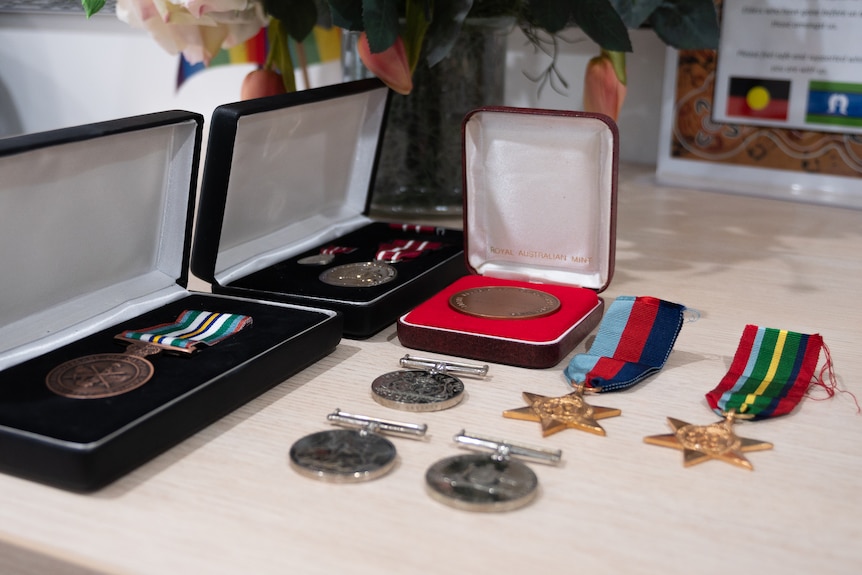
x: 758, y: 98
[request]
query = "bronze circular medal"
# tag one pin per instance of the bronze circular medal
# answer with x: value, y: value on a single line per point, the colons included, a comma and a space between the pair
x: 98, y: 376
x: 502, y: 302
x: 365, y: 274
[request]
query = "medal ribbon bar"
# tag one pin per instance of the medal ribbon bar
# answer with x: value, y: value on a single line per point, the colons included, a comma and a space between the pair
x: 770, y: 373
x: 505, y: 449
x: 400, y: 250
x: 193, y: 327
x: 440, y: 366
x: 375, y: 425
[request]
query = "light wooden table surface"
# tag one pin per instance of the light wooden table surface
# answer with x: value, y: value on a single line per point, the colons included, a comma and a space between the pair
x: 226, y: 500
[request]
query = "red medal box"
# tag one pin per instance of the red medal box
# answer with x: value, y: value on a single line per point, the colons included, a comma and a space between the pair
x: 95, y: 240
x: 539, y: 213
x: 284, y: 209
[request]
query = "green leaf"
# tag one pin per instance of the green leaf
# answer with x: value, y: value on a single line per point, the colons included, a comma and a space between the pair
x: 279, y: 54
x: 552, y: 15
x: 445, y: 28
x: 599, y: 21
x: 635, y: 12
x: 347, y: 14
x: 297, y: 17
x: 416, y: 18
x: 687, y: 24
x: 92, y: 6
x: 381, y: 23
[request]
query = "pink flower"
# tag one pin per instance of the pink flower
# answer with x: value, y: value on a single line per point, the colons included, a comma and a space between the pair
x: 197, y: 28
x: 605, y: 84
x: 391, y: 65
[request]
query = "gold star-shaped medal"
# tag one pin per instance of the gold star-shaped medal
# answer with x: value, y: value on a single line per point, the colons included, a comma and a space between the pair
x: 559, y: 413
x: 701, y: 443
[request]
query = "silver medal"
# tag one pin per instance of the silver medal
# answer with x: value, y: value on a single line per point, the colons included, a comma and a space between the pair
x: 433, y: 389
x: 487, y: 482
x: 350, y: 455
x: 365, y: 274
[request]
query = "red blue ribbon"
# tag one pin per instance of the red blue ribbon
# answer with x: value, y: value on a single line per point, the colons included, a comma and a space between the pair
x: 634, y: 341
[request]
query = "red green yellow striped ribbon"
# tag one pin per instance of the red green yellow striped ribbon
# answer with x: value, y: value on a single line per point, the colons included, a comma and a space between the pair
x: 192, y: 327
x: 770, y: 373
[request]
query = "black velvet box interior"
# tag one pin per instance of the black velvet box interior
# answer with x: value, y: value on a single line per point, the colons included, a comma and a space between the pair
x: 83, y: 444
x: 95, y: 239
x: 288, y: 176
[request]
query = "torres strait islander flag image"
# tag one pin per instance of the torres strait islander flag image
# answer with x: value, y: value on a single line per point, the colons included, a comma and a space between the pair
x: 758, y: 98
x: 834, y: 103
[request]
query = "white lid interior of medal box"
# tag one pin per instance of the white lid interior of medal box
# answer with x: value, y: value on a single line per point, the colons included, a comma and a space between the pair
x: 539, y: 195
x: 93, y: 233
x: 300, y: 177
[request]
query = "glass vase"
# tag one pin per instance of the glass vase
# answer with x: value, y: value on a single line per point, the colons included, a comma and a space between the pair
x: 419, y: 170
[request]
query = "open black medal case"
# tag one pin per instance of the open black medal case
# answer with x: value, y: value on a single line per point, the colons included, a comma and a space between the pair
x: 95, y: 240
x: 288, y: 180
x: 539, y: 218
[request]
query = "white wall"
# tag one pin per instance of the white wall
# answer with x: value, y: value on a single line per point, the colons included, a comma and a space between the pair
x: 59, y: 70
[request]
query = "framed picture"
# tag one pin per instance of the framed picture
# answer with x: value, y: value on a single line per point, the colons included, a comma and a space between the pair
x: 762, y: 145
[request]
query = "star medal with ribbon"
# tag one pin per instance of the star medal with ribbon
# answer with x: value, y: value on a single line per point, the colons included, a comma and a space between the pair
x: 109, y: 374
x: 634, y: 340
x: 769, y: 375
x: 378, y: 271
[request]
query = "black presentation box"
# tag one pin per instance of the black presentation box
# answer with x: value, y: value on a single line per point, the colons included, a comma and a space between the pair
x: 287, y: 177
x: 95, y: 239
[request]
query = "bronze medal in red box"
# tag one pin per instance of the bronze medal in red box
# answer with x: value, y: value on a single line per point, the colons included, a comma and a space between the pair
x: 109, y: 374
x: 504, y: 302
x: 539, y: 227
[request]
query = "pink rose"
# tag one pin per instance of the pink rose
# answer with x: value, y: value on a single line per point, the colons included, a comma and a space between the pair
x: 197, y: 28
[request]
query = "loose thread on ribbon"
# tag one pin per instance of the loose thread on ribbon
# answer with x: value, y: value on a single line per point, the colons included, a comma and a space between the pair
x: 831, y: 385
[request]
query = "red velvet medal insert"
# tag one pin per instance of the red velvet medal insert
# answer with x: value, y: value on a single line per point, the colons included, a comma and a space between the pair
x: 575, y: 304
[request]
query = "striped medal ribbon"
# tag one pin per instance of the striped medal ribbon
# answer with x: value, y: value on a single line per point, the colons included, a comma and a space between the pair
x: 400, y: 250
x: 105, y: 375
x: 634, y: 341
x: 192, y: 328
x: 770, y: 373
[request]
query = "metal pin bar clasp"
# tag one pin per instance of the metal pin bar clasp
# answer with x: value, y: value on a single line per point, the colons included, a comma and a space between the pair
x: 375, y: 425
x: 505, y: 449
x: 440, y: 366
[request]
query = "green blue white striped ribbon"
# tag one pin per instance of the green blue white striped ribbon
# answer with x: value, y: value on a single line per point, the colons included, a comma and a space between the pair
x: 191, y: 328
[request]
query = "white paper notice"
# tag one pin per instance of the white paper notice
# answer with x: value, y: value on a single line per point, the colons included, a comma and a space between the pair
x: 790, y: 64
